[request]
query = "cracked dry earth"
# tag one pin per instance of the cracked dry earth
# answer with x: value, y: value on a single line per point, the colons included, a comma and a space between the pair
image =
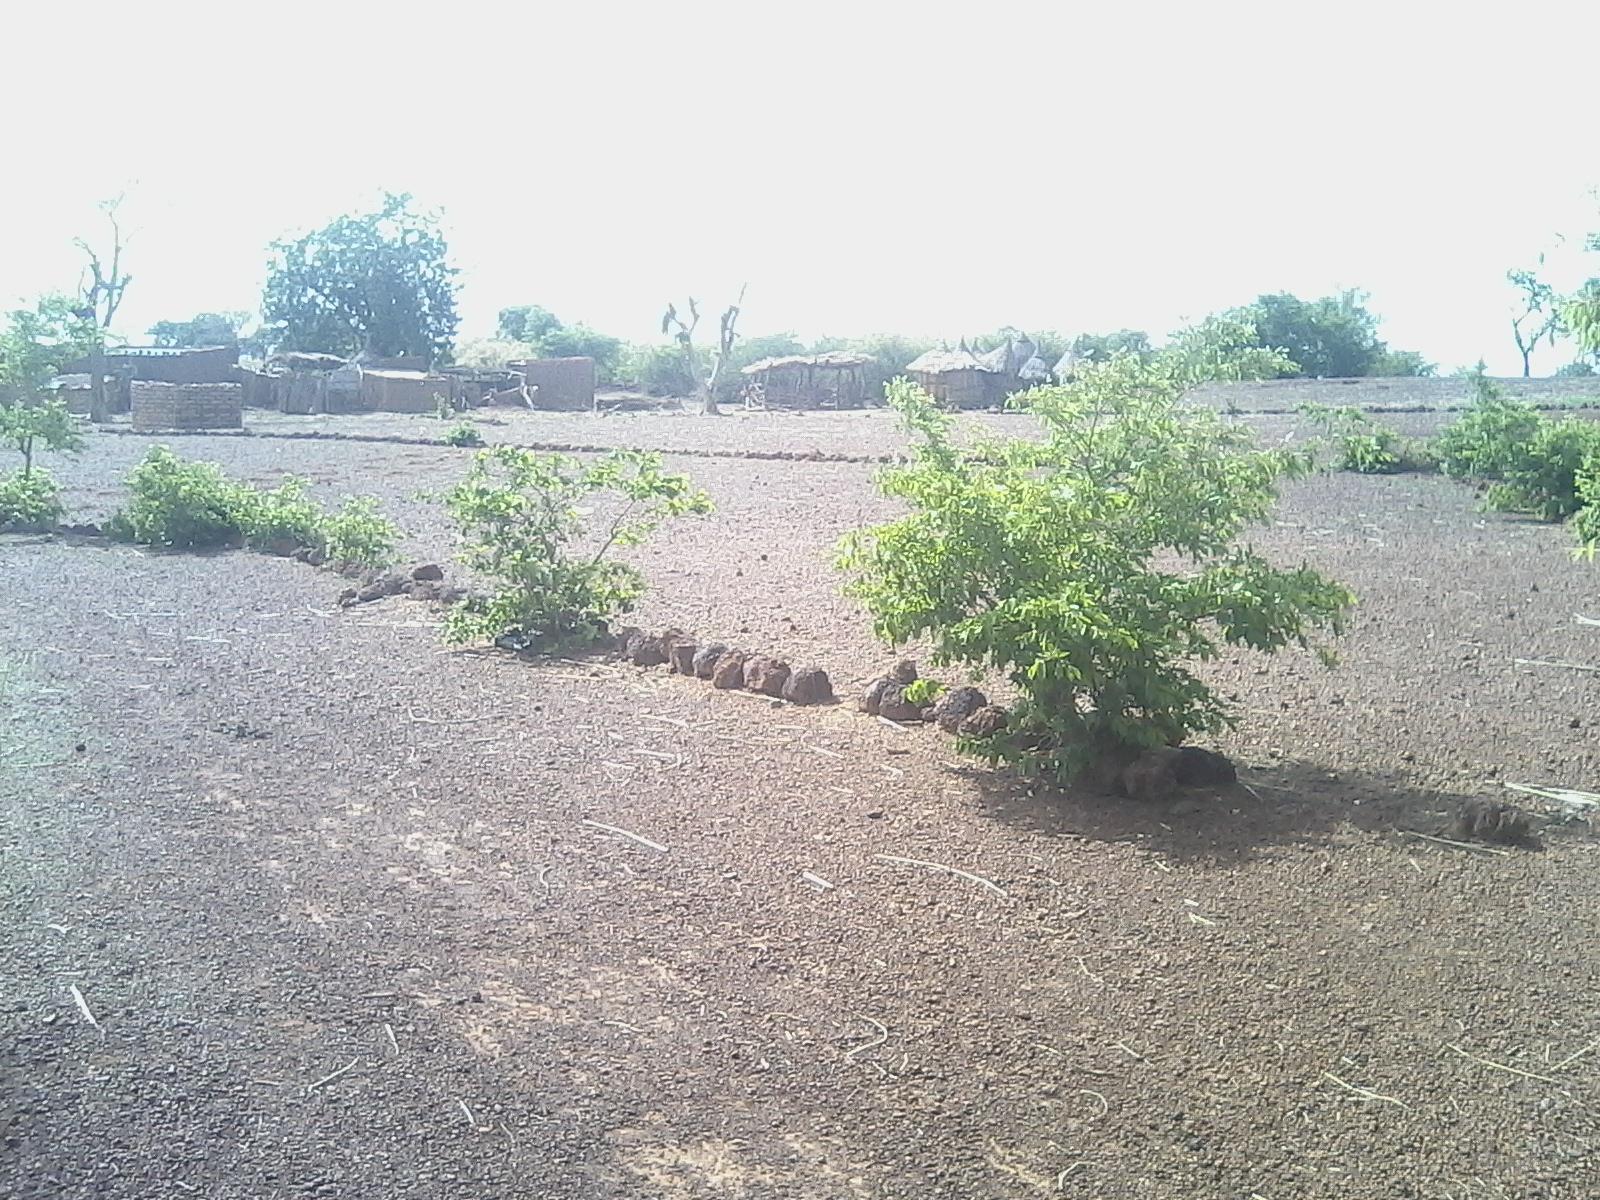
x: 333, y: 899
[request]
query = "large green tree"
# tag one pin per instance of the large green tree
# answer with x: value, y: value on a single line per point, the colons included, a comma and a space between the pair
x: 203, y: 329
x: 378, y: 282
x: 1102, y: 347
x: 1334, y: 337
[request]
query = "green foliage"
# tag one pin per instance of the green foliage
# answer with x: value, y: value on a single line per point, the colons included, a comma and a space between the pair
x: 25, y: 424
x: 1491, y: 437
x: 519, y: 514
x: 203, y: 329
x: 463, y: 433
x: 284, y: 514
x: 38, y: 343
x: 1335, y: 337
x: 1223, y: 347
x: 526, y: 323
x: 1541, y: 476
x: 1575, y: 370
x: 659, y: 370
x: 29, y: 502
x: 1540, y: 318
x: 378, y: 282
x: 1586, y: 521
x: 1100, y: 347
x: 185, y: 505
x: 923, y: 691
x: 1363, y: 445
x: 359, y: 533
x: 1403, y: 364
x: 1092, y: 566
x: 181, y: 504
x: 1581, y: 313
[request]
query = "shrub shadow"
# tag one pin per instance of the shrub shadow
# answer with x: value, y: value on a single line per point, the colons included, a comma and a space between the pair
x: 1287, y: 804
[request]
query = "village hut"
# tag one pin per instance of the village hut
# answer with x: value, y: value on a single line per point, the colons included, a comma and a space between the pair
x: 835, y: 379
x: 559, y: 383
x: 959, y: 378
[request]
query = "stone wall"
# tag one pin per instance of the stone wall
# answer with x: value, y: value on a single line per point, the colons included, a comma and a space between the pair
x: 187, y: 405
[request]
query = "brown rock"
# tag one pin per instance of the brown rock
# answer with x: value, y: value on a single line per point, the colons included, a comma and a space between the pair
x: 284, y: 547
x: 705, y: 659
x: 955, y: 706
x: 872, y: 702
x: 428, y: 573
x: 316, y: 556
x: 1199, y: 767
x: 424, y: 589
x: 765, y: 674
x: 394, y: 584
x: 729, y: 671
x: 625, y: 638
x: 347, y: 597
x: 647, y: 651
x: 451, y: 595
x: 984, y: 722
x: 371, y: 592
x: 904, y: 671
x: 1152, y: 776
x: 808, y: 685
x: 303, y: 554
x: 682, y: 657
x: 896, y: 707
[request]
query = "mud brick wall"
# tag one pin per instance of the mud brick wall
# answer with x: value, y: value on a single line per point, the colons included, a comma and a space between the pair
x: 187, y: 405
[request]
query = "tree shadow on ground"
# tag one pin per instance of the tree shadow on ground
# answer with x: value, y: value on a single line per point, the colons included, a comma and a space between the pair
x: 1288, y: 804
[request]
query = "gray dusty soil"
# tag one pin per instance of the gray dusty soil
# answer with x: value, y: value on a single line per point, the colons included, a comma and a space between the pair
x: 347, y: 916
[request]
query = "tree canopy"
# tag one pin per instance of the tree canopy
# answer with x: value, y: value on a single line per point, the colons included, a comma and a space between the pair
x: 202, y: 329
x: 379, y: 283
x: 37, y: 343
x: 1102, y: 347
x: 1335, y: 337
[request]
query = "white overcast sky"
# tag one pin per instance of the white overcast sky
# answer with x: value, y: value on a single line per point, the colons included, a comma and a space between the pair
x: 934, y: 169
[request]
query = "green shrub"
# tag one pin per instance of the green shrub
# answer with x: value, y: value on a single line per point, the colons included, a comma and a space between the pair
x: 519, y: 513
x: 1491, y: 437
x: 658, y: 370
x: 1090, y: 567
x: 463, y: 433
x: 1543, y: 478
x: 1586, y: 521
x: 360, y: 533
x: 180, y: 504
x: 1363, y: 445
x: 1575, y: 370
x: 285, y: 514
x: 923, y: 691
x: 30, y: 502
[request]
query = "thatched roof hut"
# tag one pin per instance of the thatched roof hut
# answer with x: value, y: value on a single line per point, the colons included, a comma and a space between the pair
x: 835, y: 379
x: 959, y: 378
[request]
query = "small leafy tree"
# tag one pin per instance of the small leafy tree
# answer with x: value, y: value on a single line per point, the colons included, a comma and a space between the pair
x: 520, y: 514
x: 1538, y: 316
x: 203, y: 329
x: 1491, y: 437
x: 1363, y: 445
x: 47, y: 423
x: 1092, y: 566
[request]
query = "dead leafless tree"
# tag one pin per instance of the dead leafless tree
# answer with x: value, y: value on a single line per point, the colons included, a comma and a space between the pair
x: 705, y: 385
x: 101, y: 287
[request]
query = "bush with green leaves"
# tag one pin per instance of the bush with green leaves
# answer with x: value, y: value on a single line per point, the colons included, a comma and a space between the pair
x: 185, y: 505
x: 29, y: 502
x: 180, y: 504
x: 1094, y: 566
x: 1586, y: 521
x: 359, y: 533
x: 1541, y: 478
x: 1363, y: 445
x: 43, y: 423
x: 463, y: 433
x: 522, y: 517
x: 1491, y: 437
x: 286, y: 514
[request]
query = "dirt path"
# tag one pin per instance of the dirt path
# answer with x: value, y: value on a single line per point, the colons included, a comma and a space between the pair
x: 332, y: 900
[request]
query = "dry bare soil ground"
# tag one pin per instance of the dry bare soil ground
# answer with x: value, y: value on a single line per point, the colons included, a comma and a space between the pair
x: 330, y: 897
